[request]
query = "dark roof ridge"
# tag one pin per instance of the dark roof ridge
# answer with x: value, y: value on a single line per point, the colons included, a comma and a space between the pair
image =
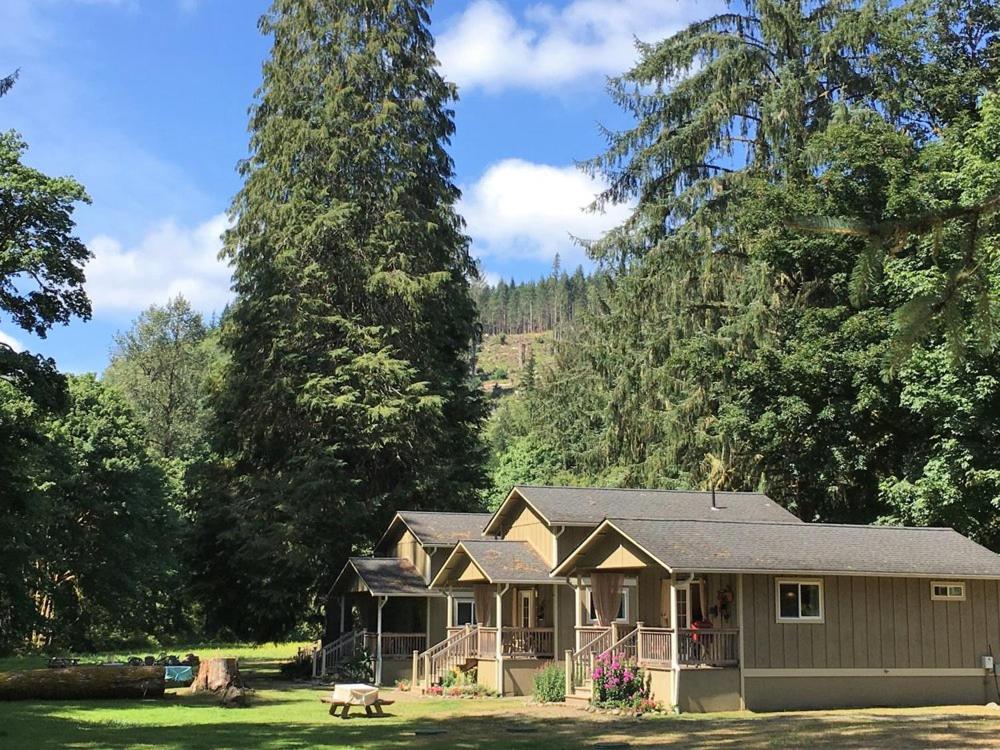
x: 450, y: 512
x: 805, y: 524
x: 639, y: 489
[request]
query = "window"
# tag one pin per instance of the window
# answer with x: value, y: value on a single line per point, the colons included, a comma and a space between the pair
x: 465, y: 612
x: 799, y: 601
x: 948, y: 591
x: 622, y: 607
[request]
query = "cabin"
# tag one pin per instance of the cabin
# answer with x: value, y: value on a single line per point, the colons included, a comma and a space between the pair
x: 381, y: 605
x: 726, y: 600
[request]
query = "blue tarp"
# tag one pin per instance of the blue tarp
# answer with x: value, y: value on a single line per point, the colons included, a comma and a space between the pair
x: 179, y: 674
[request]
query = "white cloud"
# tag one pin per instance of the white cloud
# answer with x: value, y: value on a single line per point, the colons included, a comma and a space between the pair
x: 169, y: 260
x: 12, y: 342
x: 488, y: 46
x: 524, y: 210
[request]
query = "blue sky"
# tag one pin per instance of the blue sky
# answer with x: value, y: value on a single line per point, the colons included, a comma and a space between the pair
x: 144, y: 101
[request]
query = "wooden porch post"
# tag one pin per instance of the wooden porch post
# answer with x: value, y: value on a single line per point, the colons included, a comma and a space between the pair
x: 499, y: 648
x: 451, y: 611
x: 578, y: 617
x: 378, y: 641
x: 675, y: 652
x: 555, y: 620
x: 739, y: 624
x: 343, y: 613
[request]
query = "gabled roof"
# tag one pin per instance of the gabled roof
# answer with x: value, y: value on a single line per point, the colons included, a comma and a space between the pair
x: 797, y: 548
x: 438, y: 528
x: 383, y: 576
x: 499, y: 561
x: 588, y: 506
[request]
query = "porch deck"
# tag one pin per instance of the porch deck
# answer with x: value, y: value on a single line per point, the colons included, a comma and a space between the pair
x: 395, y: 647
x: 652, y: 648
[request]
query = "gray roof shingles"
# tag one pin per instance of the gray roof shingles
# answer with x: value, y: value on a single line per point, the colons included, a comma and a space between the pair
x: 389, y: 576
x: 444, y: 529
x: 589, y: 506
x: 507, y: 561
x: 804, y: 548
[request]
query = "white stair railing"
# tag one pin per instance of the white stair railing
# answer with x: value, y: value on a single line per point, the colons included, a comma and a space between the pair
x: 580, y: 663
x: 334, y: 652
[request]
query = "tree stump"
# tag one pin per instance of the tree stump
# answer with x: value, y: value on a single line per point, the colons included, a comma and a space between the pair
x: 82, y: 683
x: 215, y: 675
x: 221, y: 676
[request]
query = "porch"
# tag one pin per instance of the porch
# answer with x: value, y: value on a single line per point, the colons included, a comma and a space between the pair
x: 668, y: 622
x: 508, y: 615
x: 385, y: 615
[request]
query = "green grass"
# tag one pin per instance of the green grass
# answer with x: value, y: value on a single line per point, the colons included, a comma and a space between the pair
x: 289, y: 716
x: 270, y: 652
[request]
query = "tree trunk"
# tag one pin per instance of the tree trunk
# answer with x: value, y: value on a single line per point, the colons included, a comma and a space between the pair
x: 215, y: 675
x: 82, y: 683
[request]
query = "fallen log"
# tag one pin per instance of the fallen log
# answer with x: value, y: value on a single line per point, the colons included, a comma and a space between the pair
x: 82, y: 683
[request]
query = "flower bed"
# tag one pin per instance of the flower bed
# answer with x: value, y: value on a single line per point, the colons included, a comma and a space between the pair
x: 619, y: 685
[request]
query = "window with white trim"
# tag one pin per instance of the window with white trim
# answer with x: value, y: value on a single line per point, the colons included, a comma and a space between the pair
x: 622, y: 607
x: 465, y: 612
x: 799, y: 600
x: 948, y: 591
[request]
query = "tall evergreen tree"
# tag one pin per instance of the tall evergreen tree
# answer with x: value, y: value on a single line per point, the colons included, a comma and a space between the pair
x: 724, y: 335
x: 348, y: 392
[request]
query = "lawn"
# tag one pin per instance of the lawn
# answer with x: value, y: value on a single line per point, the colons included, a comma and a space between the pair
x: 289, y: 716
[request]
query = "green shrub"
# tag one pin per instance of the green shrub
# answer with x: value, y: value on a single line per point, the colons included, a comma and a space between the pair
x: 550, y: 684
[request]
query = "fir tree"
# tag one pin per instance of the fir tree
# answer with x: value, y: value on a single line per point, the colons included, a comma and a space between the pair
x: 348, y: 393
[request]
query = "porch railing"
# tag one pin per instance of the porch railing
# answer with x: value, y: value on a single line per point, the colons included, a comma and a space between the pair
x: 580, y: 663
x: 335, y: 652
x: 654, y: 646
x: 625, y: 648
x: 531, y: 642
x: 717, y: 647
x: 431, y: 665
x: 487, y: 641
x: 586, y: 635
x: 395, y: 645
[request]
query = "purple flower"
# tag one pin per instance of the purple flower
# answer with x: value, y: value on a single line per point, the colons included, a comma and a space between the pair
x: 628, y: 676
x: 615, y: 665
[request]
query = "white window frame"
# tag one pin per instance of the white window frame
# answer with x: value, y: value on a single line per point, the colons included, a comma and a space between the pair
x: 799, y: 581
x: 471, y: 600
x: 589, y: 606
x: 948, y: 596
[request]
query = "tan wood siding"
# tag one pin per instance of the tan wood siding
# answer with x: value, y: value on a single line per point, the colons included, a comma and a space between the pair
x: 873, y: 623
x: 409, y: 548
x: 528, y: 527
x: 570, y: 539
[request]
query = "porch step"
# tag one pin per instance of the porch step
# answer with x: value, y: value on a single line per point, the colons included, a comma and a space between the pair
x: 578, y: 698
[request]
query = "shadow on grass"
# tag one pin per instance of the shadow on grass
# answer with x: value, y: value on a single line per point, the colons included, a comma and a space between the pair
x: 26, y: 725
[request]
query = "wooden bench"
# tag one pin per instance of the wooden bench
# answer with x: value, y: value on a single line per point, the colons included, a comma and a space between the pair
x: 345, y: 707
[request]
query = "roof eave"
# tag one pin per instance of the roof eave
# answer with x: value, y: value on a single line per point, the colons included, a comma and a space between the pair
x: 564, y: 569
x: 496, y: 514
x: 434, y: 581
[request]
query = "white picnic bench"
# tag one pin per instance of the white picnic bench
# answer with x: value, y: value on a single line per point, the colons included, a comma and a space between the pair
x: 347, y: 695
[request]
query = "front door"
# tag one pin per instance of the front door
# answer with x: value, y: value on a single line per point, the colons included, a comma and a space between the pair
x: 689, y: 603
x: 526, y: 608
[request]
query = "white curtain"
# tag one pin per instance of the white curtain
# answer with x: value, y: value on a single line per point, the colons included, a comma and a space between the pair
x: 606, y: 590
x: 483, y: 594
